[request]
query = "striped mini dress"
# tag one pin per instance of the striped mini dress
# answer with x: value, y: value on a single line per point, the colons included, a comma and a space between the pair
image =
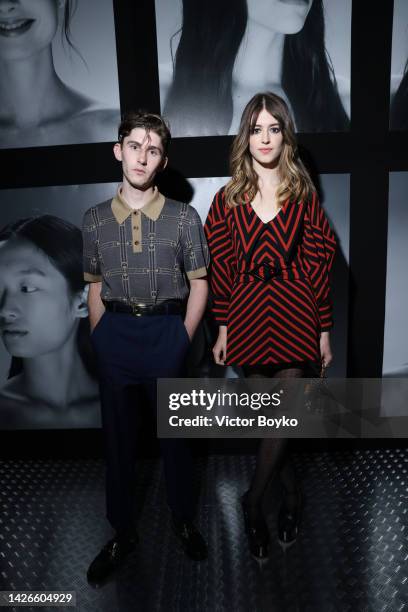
x: 270, y: 281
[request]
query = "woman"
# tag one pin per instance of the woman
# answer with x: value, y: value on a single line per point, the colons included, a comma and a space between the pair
x: 37, y: 108
x: 44, y: 326
x: 218, y: 67
x: 271, y: 249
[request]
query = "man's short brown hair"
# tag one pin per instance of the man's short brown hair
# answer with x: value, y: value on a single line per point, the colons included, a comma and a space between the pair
x: 147, y: 121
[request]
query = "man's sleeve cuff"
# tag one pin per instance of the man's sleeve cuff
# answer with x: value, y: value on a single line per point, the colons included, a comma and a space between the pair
x: 200, y: 273
x: 92, y: 278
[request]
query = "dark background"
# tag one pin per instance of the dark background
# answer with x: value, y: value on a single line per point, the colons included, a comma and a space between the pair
x: 369, y: 152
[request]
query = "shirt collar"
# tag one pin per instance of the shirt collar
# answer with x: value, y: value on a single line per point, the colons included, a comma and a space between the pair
x: 152, y: 209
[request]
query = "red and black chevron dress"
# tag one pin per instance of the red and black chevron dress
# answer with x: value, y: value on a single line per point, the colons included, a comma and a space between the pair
x: 270, y: 281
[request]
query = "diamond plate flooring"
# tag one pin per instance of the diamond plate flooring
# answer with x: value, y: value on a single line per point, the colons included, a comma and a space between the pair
x: 351, y: 555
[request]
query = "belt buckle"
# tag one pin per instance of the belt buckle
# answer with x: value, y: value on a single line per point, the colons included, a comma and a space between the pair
x: 268, y: 274
x: 136, y: 310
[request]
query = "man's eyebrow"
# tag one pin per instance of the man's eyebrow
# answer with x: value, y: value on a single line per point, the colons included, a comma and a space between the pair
x: 149, y: 148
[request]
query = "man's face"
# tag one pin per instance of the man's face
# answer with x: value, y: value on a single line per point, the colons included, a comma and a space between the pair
x: 142, y: 156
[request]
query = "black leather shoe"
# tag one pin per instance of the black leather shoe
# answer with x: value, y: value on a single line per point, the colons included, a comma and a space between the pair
x: 109, y: 559
x: 257, y: 532
x: 288, y: 523
x: 191, y: 539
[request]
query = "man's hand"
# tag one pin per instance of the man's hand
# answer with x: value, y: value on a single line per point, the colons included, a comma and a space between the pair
x: 95, y: 304
x: 197, y: 301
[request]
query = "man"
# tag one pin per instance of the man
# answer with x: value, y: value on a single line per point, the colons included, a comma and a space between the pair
x: 146, y: 258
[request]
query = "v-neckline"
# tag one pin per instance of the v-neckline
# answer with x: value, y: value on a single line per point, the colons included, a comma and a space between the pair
x: 270, y: 220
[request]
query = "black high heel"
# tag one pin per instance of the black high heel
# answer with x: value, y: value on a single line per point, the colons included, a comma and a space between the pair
x: 288, y: 523
x: 257, y: 532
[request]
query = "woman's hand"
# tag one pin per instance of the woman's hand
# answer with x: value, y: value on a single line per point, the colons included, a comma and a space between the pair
x: 325, y: 349
x: 220, y: 347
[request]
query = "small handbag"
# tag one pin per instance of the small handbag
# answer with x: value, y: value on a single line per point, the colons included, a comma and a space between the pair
x: 319, y: 400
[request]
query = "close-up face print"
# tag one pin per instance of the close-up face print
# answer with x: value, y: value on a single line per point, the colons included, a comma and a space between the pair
x: 37, y: 311
x: 284, y: 16
x: 27, y: 27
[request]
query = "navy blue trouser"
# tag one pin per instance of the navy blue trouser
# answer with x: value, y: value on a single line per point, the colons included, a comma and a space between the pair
x: 134, y: 352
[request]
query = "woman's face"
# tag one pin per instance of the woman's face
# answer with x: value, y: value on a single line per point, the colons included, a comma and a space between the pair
x: 284, y: 16
x: 266, y: 140
x: 26, y: 27
x: 37, y: 311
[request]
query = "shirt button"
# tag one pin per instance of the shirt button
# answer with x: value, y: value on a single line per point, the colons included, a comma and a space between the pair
x: 135, y: 212
x: 135, y: 227
x: 136, y: 242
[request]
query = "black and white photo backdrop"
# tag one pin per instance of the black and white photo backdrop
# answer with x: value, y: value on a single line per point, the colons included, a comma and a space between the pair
x: 215, y: 55
x: 399, y: 65
x: 395, y: 358
x: 58, y: 73
x: 47, y: 367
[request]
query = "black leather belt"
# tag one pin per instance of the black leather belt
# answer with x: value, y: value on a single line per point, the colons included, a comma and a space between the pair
x: 269, y: 272
x: 265, y: 273
x: 171, y: 307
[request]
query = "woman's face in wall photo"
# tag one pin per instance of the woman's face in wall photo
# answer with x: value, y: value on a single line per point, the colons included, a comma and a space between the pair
x: 26, y: 27
x: 284, y: 16
x: 37, y: 311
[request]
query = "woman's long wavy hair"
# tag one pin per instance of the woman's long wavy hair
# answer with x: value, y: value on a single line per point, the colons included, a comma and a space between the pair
x: 295, y: 181
x: 200, y: 97
x: 62, y: 243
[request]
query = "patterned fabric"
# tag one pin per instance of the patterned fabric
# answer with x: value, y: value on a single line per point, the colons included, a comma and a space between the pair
x: 270, y: 281
x: 171, y: 248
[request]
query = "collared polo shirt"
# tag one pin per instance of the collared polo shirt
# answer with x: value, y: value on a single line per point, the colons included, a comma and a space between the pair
x: 145, y: 255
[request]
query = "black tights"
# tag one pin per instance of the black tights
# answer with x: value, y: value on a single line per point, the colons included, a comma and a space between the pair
x: 271, y: 458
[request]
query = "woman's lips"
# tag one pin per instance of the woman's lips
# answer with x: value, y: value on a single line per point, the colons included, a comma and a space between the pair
x: 14, y: 27
x: 13, y: 333
x: 296, y: 2
x: 265, y: 151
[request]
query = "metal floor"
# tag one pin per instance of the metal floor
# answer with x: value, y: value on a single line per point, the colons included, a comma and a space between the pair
x: 351, y: 555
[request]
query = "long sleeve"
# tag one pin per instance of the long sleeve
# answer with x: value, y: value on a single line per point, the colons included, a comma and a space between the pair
x: 319, y: 247
x: 223, y: 263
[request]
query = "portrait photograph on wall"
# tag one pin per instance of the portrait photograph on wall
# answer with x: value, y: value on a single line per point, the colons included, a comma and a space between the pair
x: 58, y: 77
x: 47, y: 367
x: 209, y: 62
x: 399, y: 64
x: 334, y: 189
x: 395, y: 356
